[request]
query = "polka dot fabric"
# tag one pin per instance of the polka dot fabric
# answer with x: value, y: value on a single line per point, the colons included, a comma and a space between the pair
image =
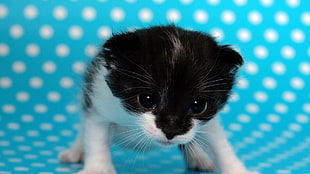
x: 44, y: 46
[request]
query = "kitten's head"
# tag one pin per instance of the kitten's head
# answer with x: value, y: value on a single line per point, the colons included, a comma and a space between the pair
x: 170, y: 78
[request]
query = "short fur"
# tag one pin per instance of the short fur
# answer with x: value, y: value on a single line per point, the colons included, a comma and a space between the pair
x: 174, y: 66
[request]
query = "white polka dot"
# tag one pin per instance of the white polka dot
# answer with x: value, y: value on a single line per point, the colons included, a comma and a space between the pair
x: 218, y: 34
x: 235, y: 127
x: 91, y: 50
x: 49, y: 67
x: 8, y: 108
x: 252, y: 108
x: 62, y: 50
x: 297, y: 35
x: 60, y: 13
x: 288, y: 52
x: 27, y: 118
x: 242, y: 83
x: 272, y: 118
x: 33, y: 133
x: 53, y: 96
x: 305, y: 18
x: 71, y: 108
x: 251, y: 68
x: 269, y: 83
x: 159, y: 1
x: 19, y: 67
x: 261, y: 96
x: 213, y: 2
x: 32, y: 50
x: 31, y: 12
x: 201, y: 16
x: 186, y: 2
x: 13, y: 126
x: 288, y: 134
x: 226, y: 109
x: 104, y: 32
x: 4, y: 49
x: 46, y: 32
x: 22, y: 96
x: 59, y: 118
x: 173, y: 15
x: 46, y: 126
x: 75, y: 32
x: 36, y: 82
x: 40, y: 108
x: 271, y: 35
x: 244, y: 118
x: 117, y: 14
x: 278, y: 68
x: 297, y: 83
x: 265, y: 127
x: 281, y: 108
x: 79, y: 67
x: 3, y: 11
x: 261, y: 52
x: 295, y: 127
x: 89, y: 13
x: 281, y: 18
x: 289, y: 96
x: 228, y: 17
x: 234, y: 97
x: 145, y: 15
x: 266, y: 3
x: 5, y: 82
x: 304, y: 68
x: 16, y: 31
x: 257, y: 134
x: 240, y: 2
x: 306, y: 108
x: 66, y: 82
x: 292, y: 3
x: 301, y: 118
x: 244, y: 35
x: 255, y: 17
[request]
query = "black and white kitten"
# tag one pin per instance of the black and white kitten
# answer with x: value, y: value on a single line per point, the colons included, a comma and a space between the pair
x: 159, y: 86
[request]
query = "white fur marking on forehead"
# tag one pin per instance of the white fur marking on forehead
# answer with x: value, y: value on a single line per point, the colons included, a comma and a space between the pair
x: 176, y: 43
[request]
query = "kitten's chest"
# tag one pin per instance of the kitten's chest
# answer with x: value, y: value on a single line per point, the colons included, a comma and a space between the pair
x: 131, y: 137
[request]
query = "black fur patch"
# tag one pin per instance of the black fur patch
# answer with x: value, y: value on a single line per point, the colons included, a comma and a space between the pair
x: 175, y: 65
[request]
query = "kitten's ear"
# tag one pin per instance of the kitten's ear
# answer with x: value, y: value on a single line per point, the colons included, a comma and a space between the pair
x: 118, y: 47
x: 231, y: 57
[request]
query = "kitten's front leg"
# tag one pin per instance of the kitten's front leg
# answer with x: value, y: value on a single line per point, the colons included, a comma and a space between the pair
x: 97, y: 155
x: 224, y: 155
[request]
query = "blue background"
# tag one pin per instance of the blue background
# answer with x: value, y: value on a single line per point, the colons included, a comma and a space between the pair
x: 44, y: 46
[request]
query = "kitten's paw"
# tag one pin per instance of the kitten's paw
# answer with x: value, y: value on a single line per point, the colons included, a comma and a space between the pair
x: 71, y: 156
x: 201, y: 163
x: 97, y: 171
x: 245, y: 172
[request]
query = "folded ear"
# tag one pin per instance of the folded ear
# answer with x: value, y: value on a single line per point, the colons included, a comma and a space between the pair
x: 119, y: 47
x: 231, y: 57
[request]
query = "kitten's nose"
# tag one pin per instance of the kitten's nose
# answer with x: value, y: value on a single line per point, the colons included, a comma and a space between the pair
x: 171, y: 135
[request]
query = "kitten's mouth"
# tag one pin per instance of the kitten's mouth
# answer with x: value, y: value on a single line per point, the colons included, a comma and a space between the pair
x: 166, y: 143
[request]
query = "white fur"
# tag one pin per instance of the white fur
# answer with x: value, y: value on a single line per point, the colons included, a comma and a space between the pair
x: 108, y: 121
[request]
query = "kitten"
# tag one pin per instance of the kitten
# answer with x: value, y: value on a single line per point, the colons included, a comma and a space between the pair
x: 153, y: 87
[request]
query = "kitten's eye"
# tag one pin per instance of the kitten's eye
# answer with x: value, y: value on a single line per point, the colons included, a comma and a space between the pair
x: 147, y: 101
x: 198, y: 106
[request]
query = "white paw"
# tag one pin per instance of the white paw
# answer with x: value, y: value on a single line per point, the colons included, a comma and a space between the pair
x: 97, y: 171
x: 244, y: 172
x: 201, y: 164
x: 71, y: 156
x: 251, y: 172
